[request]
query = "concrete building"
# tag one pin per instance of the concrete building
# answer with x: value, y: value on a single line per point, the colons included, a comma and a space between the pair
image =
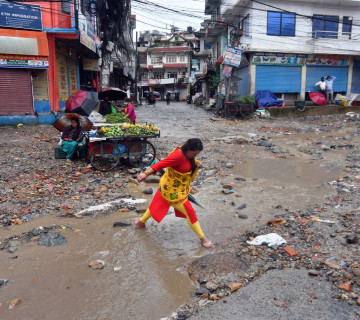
x: 290, y: 45
x: 168, y: 61
x: 46, y: 54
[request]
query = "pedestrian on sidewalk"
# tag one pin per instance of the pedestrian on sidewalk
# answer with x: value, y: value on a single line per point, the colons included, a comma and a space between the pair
x: 322, y: 85
x: 72, y: 141
x: 329, y: 88
x: 168, y: 98
x: 174, y: 188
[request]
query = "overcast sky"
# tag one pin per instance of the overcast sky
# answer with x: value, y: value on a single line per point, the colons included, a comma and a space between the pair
x: 156, y: 18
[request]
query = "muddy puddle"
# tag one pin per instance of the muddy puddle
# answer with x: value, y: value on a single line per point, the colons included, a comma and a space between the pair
x: 151, y: 281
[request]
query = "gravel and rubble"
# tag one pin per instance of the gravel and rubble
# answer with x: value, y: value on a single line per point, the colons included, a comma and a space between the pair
x: 322, y: 240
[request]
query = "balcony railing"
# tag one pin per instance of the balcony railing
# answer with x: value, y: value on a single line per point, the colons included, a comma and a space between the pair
x: 320, y: 34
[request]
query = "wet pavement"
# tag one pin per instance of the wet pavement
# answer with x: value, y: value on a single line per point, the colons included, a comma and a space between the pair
x: 253, y: 170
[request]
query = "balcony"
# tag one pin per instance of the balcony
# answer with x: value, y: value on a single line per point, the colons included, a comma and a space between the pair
x: 211, y: 5
x: 333, y: 42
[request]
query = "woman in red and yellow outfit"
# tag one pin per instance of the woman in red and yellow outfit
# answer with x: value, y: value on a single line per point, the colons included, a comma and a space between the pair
x: 174, y: 189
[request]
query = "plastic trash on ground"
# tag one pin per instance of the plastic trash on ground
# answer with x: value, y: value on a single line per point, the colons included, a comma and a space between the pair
x: 271, y: 239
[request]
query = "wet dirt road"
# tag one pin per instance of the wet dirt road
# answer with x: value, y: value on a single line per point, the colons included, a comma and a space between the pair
x: 151, y: 279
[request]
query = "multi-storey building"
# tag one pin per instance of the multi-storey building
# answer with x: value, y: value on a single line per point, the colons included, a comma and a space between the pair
x: 289, y: 45
x: 169, y: 61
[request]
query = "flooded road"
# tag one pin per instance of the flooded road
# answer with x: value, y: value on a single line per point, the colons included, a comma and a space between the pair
x: 150, y: 279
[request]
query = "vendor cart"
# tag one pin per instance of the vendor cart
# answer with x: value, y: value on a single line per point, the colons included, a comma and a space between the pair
x: 104, y: 153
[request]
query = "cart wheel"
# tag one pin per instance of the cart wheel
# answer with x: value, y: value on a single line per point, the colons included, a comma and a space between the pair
x: 231, y: 110
x: 246, y: 111
x: 141, y: 154
x: 105, y: 156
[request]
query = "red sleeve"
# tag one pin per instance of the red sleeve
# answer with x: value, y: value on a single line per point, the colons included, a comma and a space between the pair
x: 172, y: 160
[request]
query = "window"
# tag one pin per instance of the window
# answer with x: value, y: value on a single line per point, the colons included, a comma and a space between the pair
x: 182, y: 58
x: 158, y: 76
x: 172, y: 75
x: 245, y: 26
x: 281, y: 24
x: 155, y: 60
x: 346, y: 27
x: 170, y: 59
x: 325, y: 26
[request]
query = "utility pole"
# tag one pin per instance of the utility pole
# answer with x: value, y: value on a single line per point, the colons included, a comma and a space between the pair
x: 136, y: 68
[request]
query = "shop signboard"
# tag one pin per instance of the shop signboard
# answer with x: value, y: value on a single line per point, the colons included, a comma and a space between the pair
x: 227, y: 71
x: 20, y: 16
x: 87, y: 31
x: 195, y: 65
x: 270, y: 58
x: 232, y: 56
x: 327, y: 60
x: 19, y: 61
x: 154, y: 81
x: 91, y: 64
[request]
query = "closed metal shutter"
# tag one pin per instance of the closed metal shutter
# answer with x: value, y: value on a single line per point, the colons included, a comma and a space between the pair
x: 278, y: 78
x: 15, y: 92
x: 355, y: 86
x: 314, y: 74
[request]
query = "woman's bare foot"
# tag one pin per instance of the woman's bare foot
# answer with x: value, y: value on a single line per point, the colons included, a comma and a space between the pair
x: 68, y: 160
x: 206, y: 243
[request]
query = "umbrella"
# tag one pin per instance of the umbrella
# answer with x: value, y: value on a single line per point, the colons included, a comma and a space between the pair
x: 170, y: 92
x: 113, y: 94
x: 193, y: 200
x: 318, y: 98
x: 65, y: 122
x: 82, y: 102
x: 155, y: 93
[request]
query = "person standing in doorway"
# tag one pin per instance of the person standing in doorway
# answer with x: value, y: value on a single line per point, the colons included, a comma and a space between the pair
x: 329, y: 88
x: 322, y: 85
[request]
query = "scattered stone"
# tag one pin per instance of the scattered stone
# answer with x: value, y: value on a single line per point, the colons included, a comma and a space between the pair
x: 313, y: 273
x: 352, y: 238
x: 235, y: 286
x: 202, y: 281
x: 243, y: 206
x: 131, y: 171
x: 277, y: 221
x: 227, y: 191
x: 242, y: 216
x: 153, y: 179
x: 98, y: 264
x: 122, y: 224
x: 11, y: 249
x: 52, y: 239
x: 5, y: 282
x: 14, y: 303
x: 346, y: 286
x: 201, y: 291
x: 358, y: 302
x: 291, y: 251
x: 229, y: 165
x: 227, y: 186
x: 211, y: 286
x: 240, y: 178
x: 148, y: 191
x: 332, y: 265
x: 140, y: 211
x: 356, y: 272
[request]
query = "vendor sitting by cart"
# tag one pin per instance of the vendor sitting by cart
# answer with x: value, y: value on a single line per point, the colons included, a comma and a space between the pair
x: 72, y: 140
x: 129, y: 111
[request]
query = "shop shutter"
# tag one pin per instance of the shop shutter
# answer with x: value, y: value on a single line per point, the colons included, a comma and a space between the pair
x: 314, y: 74
x: 355, y: 86
x: 278, y: 78
x: 15, y: 92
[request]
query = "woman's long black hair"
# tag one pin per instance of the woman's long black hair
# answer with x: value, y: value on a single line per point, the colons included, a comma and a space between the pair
x: 193, y: 144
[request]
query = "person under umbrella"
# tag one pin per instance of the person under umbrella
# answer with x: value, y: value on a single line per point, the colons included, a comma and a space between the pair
x: 105, y: 106
x: 72, y: 140
x: 174, y: 189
